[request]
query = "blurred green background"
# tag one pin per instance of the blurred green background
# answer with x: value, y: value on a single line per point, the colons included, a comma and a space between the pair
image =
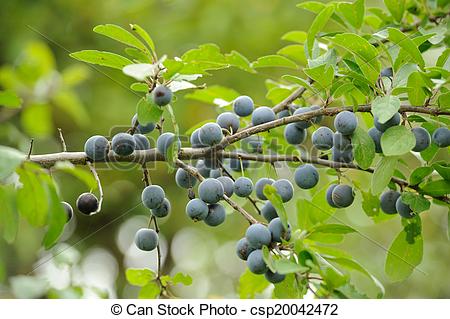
x: 35, y: 40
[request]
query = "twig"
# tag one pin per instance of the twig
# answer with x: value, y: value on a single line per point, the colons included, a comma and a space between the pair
x: 63, y: 142
x: 30, y: 149
x: 99, y: 185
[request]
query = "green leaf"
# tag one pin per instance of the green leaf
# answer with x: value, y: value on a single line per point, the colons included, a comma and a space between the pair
x: 383, y: 173
x: 397, y: 140
x: 284, y: 266
x: 57, y: 217
x: 443, y: 169
x: 352, y: 12
x: 214, y: 94
x: 103, y: 58
x: 289, y: 288
x: 251, y: 284
x: 295, y: 52
x: 403, y: 256
x: 139, y: 277
x: 32, y: 197
x: 77, y: 172
x: 436, y: 188
x: 444, y: 100
x: 332, y: 229
x: 150, y: 291
x: 385, y: 107
x: 322, y: 74
x: 366, y: 55
x: 271, y: 193
x: 9, y: 219
x: 418, y: 175
x: 147, y: 111
x: 205, y: 57
x: 120, y: 34
x: 317, y: 25
x: 396, y: 8
x: 295, y: 36
x: 144, y: 35
x: 10, y: 99
x: 237, y: 60
x: 403, y: 41
x: 417, y: 92
x: 10, y: 158
x: 363, y: 148
x: 139, y: 87
x: 416, y: 202
x: 270, y: 61
x: 181, y: 278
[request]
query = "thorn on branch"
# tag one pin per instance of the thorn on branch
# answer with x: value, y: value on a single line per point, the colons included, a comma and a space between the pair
x: 99, y: 185
x: 63, y: 142
x: 30, y: 149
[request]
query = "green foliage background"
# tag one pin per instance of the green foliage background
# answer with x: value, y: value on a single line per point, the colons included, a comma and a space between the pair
x: 37, y: 36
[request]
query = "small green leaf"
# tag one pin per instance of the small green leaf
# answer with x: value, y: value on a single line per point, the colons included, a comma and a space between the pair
x: 417, y: 92
x: 214, y: 94
x: 417, y: 176
x: 237, y: 60
x: 332, y: 229
x: 436, y: 188
x: 144, y: 35
x: 352, y: 12
x: 271, y: 193
x: 289, y: 288
x: 9, y: 219
x: 181, y: 278
x: 402, y: 40
x: 416, y: 202
x: 139, y: 87
x: 443, y: 169
x: 77, y: 172
x: 396, y: 8
x: 251, y: 284
x: 383, y: 173
x: 317, y: 25
x: 322, y: 74
x: 403, y: 256
x: 385, y: 107
x: 57, y: 217
x: 397, y: 140
x: 150, y: 291
x: 363, y: 148
x: 270, y: 61
x: 147, y: 111
x: 103, y: 58
x: 284, y: 266
x: 10, y: 99
x: 10, y: 158
x: 295, y: 36
x: 120, y: 34
x: 139, y: 277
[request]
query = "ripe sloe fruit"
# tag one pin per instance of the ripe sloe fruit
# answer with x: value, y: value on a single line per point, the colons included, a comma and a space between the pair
x: 243, y: 186
x: 388, y: 200
x: 87, y: 203
x: 258, y: 235
x: 228, y: 121
x: 255, y: 262
x: 306, y: 176
x: 162, y: 95
x: 243, y: 248
x: 329, y: 195
x: 342, y: 156
x: 146, y: 239
x: 345, y: 123
x: 163, y: 210
x: 215, y: 173
x: 96, y: 148
x: 262, y: 114
x: 387, y: 72
x: 284, y: 189
x: 165, y: 141
x: 441, y: 137
x: 195, y: 140
x: 274, y: 277
x: 184, y: 180
x: 342, y: 142
x: 197, y: 209
x: 376, y: 137
x: 303, y: 124
x: 227, y: 184
x: 403, y: 209
x: 259, y: 187
x: 342, y: 196
x: 268, y: 211
x: 235, y: 163
x: 316, y: 119
x: 322, y: 138
x: 142, y: 142
x: 283, y: 113
x: 153, y: 196
x: 216, y: 215
x: 278, y: 231
x: 393, y: 121
x: 202, y: 169
x: 423, y: 139
x: 252, y: 144
x: 210, y: 190
x: 68, y: 209
x: 243, y: 105
x: 123, y: 144
x: 294, y: 135
x: 142, y: 129
x: 210, y: 134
